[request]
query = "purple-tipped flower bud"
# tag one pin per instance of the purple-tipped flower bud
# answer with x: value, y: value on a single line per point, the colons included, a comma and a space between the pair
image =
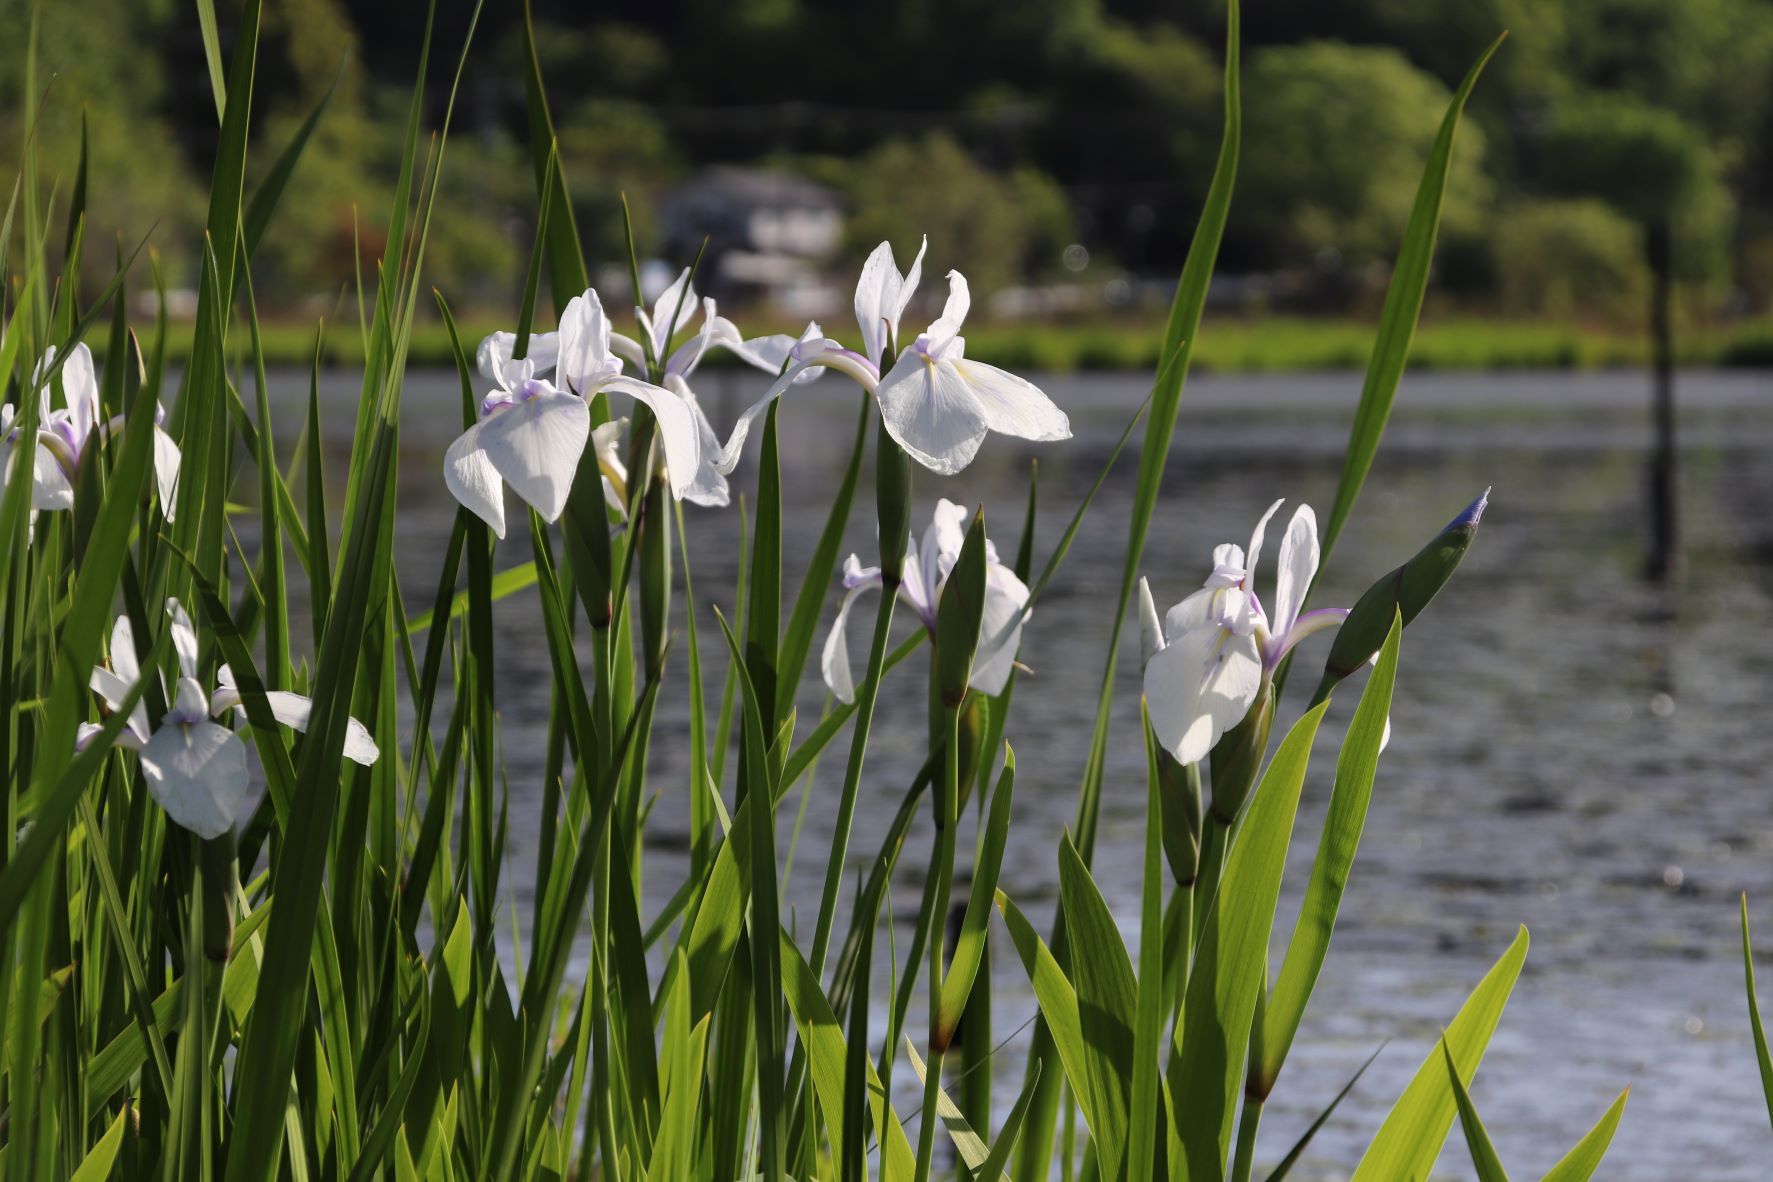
x: 1404, y: 592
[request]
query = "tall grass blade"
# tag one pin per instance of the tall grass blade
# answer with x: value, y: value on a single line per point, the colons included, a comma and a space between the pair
x: 1477, y: 1139
x: 971, y: 1147
x: 1410, y: 1139
x: 803, y: 620
x: 1762, y: 1055
x: 1397, y: 321
x: 1580, y: 1164
x: 1058, y: 1003
x: 969, y: 946
x: 1298, y: 1150
x: 756, y: 770
x: 96, y: 1166
x: 1143, y: 1130
x: 1356, y: 767
x: 1107, y: 997
x: 566, y: 259
x: 1034, y: 1157
x: 993, y: 1167
x: 270, y: 191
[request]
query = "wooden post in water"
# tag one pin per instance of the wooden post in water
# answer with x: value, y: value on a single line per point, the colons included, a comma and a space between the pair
x: 1664, y: 557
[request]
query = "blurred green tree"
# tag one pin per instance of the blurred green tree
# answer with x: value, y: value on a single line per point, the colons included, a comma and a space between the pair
x: 90, y: 64
x: 1648, y: 163
x: 986, y: 225
x: 1570, y: 258
x: 1334, y: 140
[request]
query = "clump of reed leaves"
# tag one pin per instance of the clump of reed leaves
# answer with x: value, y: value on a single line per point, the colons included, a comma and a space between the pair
x: 320, y: 994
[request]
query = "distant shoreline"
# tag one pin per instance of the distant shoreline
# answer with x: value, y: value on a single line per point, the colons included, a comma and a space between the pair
x: 1228, y: 345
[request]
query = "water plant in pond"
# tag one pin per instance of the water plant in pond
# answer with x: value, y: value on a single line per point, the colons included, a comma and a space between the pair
x: 332, y: 978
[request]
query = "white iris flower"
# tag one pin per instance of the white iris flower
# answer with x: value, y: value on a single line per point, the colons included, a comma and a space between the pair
x: 533, y: 430
x: 194, y: 763
x: 64, y: 432
x: 936, y: 404
x: 926, y: 571
x: 1216, y: 649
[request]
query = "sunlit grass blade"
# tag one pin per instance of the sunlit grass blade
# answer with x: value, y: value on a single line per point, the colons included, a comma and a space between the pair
x: 1754, y: 1014
x: 97, y: 1164
x: 967, y: 1142
x: 1410, y: 1139
x: 504, y: 584
x: 1356, y: 767
x: 826, y: 1051
x: 1057, y: 998
x: 1580, y: 1164
x: 314, y: 482
x: 847, y: 978
x: 686, y: 1049
x: 969, y: 947
x: 993, y: 1166
x: 713, y: 931
x: 1107, y: 997
x: 1143, y: 1130
x: 1403, y: 307
x: 1298, y: 1150
x: 212, y: 54
x: 1477, y: 1139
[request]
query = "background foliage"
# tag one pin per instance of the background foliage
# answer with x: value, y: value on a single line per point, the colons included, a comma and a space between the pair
x: 1090, y: 121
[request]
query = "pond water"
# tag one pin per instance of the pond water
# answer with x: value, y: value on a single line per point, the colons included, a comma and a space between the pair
x: 1574, y: 750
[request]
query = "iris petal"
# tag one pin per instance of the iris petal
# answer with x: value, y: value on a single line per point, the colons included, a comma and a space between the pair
x: 1199, y: 687
x: 931, y: 412
x: 197, y: 771
x: 535, y: 445
x: 473, y: 481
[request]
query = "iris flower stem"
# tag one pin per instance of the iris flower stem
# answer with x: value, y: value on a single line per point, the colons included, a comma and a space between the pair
x: 944, y: 872
x: 1215, y: 838
x: 1145, y: 1098
x: 1247, y: 1125
x: 599, y: 1107
x: 1184, y: 903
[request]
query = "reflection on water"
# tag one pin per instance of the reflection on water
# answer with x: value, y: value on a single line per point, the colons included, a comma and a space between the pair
x: 1573, y: 750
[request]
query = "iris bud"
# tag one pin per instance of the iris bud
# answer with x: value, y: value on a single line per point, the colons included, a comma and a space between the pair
x: 892, y: 495
x: 1237, y: 757
x: 1404, y: 592
x: 958, y: 614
